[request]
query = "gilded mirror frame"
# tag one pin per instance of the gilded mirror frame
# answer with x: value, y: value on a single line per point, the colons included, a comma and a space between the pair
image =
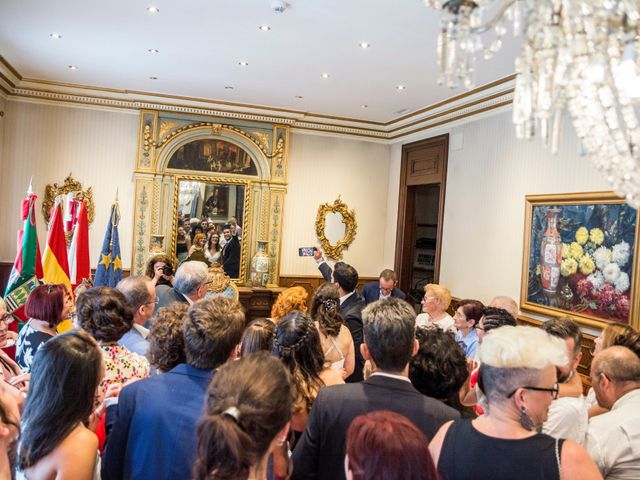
x: 162, y: 133
x: 349, y: 221
x: 246, y: 220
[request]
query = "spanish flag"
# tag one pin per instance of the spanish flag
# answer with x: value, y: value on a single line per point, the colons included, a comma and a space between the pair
x: 54, y: 260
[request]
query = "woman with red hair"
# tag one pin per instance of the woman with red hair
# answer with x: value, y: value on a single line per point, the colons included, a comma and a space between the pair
x: 383, y: 445
x: 47, y: 306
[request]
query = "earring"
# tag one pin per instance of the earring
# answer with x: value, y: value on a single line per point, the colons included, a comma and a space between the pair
x: 525, y: 420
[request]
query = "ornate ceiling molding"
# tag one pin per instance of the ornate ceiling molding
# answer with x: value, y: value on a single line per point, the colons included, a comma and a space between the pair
x: 489, y: 97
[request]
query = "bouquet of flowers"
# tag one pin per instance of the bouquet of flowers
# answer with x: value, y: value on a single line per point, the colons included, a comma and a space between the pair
x: 597, y: 272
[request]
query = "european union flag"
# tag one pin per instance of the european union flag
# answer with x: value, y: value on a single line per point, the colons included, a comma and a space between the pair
x: 109, y: 270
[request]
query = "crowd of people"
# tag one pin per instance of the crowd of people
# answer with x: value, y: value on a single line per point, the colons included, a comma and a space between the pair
x: 158, y: 382
x: 204, y: 241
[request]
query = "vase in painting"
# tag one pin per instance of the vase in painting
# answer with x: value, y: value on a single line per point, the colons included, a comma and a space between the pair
x: 551, y: 253
x: 260, y: 266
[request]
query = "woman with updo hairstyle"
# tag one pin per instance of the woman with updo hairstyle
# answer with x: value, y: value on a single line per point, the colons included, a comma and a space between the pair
x: 383, y: 444
x: 247, y: 413
x: 166, y: 340
x: 103, y: 312
x: 55, y: 441
x: 294, y: 298
x: 257, y: 337
x: 47, y: 306
x: 335, y: 337
x: 297, y: 344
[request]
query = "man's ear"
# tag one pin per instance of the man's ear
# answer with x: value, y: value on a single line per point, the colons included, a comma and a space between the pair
x: 416, y: 347
x: 364, y: 350
x: 576, y: 362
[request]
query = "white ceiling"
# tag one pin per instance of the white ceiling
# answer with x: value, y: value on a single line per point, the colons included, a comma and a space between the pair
x: 202, y: 41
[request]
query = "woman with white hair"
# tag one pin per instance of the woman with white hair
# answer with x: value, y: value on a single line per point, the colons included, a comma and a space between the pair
x: 518, y: 377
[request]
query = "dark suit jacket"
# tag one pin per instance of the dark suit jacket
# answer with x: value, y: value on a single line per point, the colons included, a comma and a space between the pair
x: 231, y: 257
x: 321, y: 449
x: 168, y: 296
x: 351, y: 311
x: 154, y: 433
x: 371, y: 292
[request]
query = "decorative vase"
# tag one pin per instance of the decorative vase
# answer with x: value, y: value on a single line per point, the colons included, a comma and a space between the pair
x: 551, y: 253
x: 260, y: 266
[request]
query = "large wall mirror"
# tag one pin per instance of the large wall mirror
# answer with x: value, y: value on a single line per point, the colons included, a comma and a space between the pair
x: 192, y: 169
x: 210, y: 218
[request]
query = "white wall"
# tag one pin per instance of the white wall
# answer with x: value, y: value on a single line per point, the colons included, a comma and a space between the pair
x: 320, y: 169
x: 487, y: 180
x: 50, y: 141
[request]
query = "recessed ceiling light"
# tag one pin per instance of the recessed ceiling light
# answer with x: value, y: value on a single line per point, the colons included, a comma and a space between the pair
x: 400, y: 87
x: 364, y: 106
x: 243, y: 64
x: 404, y: 110
x: 55, y: 35
x: 153, y: 10
x: 73, y: 67
x: 364, y: 44
x: 325, y: 75
x: 264, y: 28
x: 153, y: 50
x: 228, y: 87
x: 153, y: 78
x: 299, y: 97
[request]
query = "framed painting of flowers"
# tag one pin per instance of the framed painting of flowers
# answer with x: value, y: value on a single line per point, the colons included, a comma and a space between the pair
x: 580, y: 258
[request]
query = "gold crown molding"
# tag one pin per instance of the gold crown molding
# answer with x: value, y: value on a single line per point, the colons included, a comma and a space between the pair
x: 448, y: 101
x: 443, y: 112
x: 9, y: 67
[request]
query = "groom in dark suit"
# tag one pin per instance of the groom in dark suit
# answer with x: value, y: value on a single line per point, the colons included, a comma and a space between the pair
x: 389, y: 344
x: 231, y: 252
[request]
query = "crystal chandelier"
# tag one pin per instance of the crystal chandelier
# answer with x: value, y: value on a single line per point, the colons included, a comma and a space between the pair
x: 581, y: 55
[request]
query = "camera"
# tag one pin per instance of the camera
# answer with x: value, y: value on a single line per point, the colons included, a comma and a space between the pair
x: 167, y: 271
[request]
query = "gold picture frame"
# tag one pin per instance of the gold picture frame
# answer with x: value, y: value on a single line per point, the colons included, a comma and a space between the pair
x: 349, y: 220
x: 580, y: 258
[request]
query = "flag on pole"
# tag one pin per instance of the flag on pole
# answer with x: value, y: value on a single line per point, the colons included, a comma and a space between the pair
x: 109, y: 270
x: 27, y: 268
x: 54, y: 260
x: 79, y: 263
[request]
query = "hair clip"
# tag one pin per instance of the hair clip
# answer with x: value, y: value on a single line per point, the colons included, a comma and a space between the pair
x: 233, y: 412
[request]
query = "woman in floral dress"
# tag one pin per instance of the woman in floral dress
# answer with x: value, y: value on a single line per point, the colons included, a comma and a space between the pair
x: 103, y: 312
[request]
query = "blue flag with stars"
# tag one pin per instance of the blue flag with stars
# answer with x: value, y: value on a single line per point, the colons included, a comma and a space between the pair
x: 109, y: 270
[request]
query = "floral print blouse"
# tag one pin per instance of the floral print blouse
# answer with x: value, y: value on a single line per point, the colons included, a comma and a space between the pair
x: 120, y: 366
x: 27, y: 344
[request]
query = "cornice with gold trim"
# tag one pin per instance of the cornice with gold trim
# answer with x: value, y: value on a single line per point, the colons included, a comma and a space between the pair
x: 488, y: 97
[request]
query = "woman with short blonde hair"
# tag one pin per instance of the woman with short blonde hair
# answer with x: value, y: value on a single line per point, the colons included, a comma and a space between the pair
x: 435, y: 303
x: 518, y: 377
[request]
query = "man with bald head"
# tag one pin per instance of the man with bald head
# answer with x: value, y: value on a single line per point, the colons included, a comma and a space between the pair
x: 613, y: 439
x: 506, y: 303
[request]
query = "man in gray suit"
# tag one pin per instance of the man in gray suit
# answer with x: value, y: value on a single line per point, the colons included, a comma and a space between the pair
x: 189, y: 285
x: 389, y: 344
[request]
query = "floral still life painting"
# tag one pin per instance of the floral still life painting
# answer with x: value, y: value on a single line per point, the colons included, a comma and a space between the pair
x: 579, y: 257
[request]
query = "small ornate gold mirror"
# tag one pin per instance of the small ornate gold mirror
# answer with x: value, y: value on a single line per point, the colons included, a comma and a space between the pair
x: 335, y: 227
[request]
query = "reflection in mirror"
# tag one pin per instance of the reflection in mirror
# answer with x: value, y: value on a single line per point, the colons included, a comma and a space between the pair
x: 210, y: 219
x: 335, y: 227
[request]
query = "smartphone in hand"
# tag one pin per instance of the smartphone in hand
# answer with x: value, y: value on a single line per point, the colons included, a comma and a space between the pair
x: 306, y: 251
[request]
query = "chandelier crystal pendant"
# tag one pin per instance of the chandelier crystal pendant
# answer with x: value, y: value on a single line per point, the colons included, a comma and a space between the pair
x: 578, y: 55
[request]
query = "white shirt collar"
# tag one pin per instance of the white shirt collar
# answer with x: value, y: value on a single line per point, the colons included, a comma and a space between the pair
x: 390, y: 375
x: 342, y: 299
x: 141, y: 330
x: 629, y: 397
